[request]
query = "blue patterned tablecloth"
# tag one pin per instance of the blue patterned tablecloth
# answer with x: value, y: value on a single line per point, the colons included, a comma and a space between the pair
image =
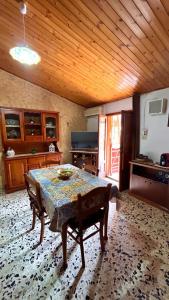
x: 59, y: 196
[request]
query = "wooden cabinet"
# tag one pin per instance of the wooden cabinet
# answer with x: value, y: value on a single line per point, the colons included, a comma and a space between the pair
x: 35, y: 162
x: 12, y: 126
x: 15, y: 170
x: 51, y: 127
x: 29, y: 133
x: 80, y: 157
x: 33, y: 129
x: 150, y: 183
x: 29, y: 126
x: 56, y: 156
x: 15, y: 167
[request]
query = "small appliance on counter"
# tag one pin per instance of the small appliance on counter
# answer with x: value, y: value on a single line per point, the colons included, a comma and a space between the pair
x: 164, y: 160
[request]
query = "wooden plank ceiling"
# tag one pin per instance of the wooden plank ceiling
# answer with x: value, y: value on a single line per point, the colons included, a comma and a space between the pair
x: 92, y: 51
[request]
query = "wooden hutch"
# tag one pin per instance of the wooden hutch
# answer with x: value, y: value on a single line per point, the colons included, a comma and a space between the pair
x: 29, y: 133
x: 150, y: 182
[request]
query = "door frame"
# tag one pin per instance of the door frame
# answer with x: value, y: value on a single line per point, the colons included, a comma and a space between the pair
x: 121, y: 188
x: 108, y: 144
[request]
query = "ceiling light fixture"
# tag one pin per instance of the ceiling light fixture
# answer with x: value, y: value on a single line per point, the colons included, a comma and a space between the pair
x: 23, y: 53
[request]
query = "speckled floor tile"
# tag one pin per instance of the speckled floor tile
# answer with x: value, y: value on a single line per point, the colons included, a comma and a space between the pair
x: 135, y: 264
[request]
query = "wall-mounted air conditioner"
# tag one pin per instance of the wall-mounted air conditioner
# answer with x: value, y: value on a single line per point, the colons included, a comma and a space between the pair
x: 158, y: 106
x: 93, y: 111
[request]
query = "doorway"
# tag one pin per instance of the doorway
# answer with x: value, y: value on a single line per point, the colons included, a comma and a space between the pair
x: 113, y: 146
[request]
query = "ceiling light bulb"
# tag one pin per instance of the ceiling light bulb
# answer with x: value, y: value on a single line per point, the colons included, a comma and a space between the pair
x: 23, y: 8
x: 25, y: 55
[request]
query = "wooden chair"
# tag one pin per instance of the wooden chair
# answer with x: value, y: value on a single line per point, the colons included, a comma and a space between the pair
x: 91, y: 208
x: 49, y: 163
x: 33, y: 189
x: 91, y: 169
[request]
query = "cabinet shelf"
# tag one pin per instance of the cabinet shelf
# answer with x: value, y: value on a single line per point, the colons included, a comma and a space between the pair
x: 33, y: 124
x: 10, y: 126
x: 50, y: 126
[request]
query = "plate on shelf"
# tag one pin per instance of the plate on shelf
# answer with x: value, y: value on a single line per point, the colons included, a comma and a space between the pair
x: 12, y: 122
x: 12, y: 134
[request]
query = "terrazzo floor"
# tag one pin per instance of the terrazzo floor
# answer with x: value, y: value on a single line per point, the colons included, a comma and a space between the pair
x: 135, y: 264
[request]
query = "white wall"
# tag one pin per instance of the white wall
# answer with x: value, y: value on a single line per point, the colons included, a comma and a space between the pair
x: 92, y: 123
x: 117, y: 106
x: 157, y: 141
x: 113, y: 107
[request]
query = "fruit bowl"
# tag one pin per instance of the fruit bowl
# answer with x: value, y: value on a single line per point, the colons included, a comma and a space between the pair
x: 64, y: 174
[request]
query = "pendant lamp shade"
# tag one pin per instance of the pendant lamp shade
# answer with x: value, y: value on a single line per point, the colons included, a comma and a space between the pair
x: 25, y: 55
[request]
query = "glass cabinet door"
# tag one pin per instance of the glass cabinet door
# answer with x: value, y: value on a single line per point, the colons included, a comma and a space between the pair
x: 50, y: 127
x: 12, y: 125
x: 32, y: 126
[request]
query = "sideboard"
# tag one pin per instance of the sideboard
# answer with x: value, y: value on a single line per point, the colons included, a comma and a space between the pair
x: 29, y: 133
x: 16, y: 166
x: 150, y: 182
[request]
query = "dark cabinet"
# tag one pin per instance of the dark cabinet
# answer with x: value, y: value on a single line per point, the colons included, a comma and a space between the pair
x: 82, y: 157
x: 150, y: 183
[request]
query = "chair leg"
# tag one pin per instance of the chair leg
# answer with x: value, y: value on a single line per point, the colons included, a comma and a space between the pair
x: 64, y: 245
x: 117, y: 204
x: 106, y: 223
x: 82, y: 249
x: 42, y: 228
x: 102, y: 242
x: 34, y: 219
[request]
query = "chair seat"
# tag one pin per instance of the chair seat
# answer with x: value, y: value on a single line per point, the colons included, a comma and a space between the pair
x: 88, y: 222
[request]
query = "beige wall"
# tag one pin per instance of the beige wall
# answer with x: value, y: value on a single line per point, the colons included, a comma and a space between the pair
x: 16, y: 92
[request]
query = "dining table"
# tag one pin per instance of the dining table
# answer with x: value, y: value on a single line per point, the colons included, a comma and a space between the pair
x: 59, y: 196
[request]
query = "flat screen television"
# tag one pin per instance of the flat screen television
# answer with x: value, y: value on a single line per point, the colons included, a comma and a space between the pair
x: 84, y: 140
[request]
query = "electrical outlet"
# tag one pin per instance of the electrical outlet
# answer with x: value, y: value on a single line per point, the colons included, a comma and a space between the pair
x: 144, y: 134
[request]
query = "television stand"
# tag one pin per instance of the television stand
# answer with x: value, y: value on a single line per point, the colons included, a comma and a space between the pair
x: 150, y: 182
x: 82, y: 156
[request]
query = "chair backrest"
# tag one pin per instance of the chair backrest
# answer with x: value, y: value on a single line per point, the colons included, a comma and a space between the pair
x: 49, y: 163
x: 91, y: 169
x: 33, y: 189
x: 92, y: 202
